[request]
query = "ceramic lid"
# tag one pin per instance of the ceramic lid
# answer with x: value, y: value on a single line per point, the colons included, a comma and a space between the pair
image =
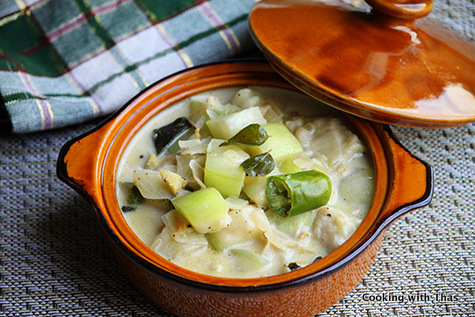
x: 386, y: 63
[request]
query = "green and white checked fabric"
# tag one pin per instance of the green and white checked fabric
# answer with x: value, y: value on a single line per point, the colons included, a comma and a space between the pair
x: 67, y: 61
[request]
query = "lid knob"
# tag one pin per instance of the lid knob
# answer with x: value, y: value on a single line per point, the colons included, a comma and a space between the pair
x: 403, y: 9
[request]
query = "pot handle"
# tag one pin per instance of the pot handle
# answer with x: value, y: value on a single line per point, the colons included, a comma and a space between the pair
x: 411, y: 185
x: 79, y: 163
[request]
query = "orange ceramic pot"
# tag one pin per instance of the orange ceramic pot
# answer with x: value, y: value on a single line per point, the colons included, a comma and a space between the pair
x: 89, y: 163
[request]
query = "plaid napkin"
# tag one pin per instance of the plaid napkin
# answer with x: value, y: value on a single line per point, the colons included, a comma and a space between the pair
x: 67, y: 61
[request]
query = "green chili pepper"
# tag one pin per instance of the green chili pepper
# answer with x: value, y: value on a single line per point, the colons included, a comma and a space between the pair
x: 293, y: 266
x: 253, y: 134
x: 166, y: 138
x: 293, y: 194
x: 134, y: 198
x: 258, y: 165
x: 128, y: 208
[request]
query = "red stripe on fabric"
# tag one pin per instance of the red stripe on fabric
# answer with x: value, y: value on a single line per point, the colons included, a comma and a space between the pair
x: 48, y: 121
x: 219, y: 24
x: 177, y: 13
x: 68, y: 72
x: 55, y: 34
x: 18, y: 65
x: 32, y: 50
x: 170, y: 44
x: 36, y: 48
x: 86, y: 93
x: 108, y: 7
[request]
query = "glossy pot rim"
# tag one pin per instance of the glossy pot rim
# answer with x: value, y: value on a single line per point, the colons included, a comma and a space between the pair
x: 354, y: 250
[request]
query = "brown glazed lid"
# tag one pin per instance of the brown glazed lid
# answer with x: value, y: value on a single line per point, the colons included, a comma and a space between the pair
x: 386, y: 63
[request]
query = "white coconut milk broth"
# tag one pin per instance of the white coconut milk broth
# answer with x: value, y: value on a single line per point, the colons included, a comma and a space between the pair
x: 352, y: 182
